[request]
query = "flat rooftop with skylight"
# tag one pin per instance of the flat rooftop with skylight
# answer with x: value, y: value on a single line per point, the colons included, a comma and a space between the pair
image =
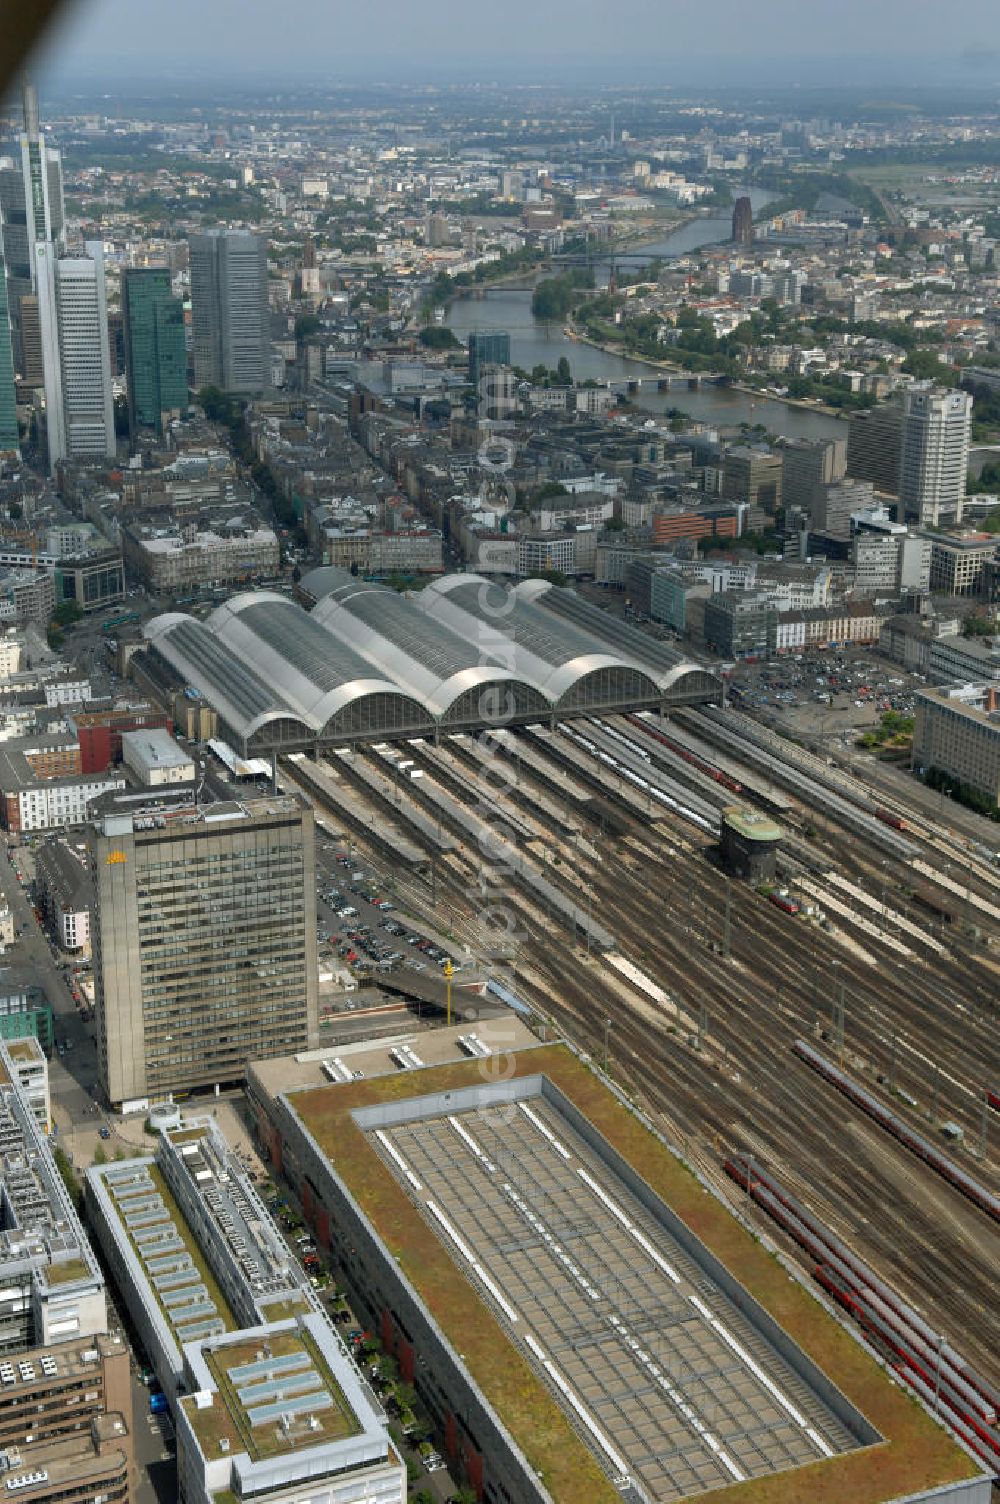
x: 585, y: 1319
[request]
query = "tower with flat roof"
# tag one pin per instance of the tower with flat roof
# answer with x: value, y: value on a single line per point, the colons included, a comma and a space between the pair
x: 229, y: 311
x: 155, y: 352
x: 204, y: 935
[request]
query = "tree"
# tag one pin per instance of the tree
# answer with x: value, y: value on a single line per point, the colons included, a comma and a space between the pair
x: 306, y: 324
x: 439, y: 337
x: 65, y: 1168
x: 925, y: 365
x: 67, y: 613
x: 564, y: 375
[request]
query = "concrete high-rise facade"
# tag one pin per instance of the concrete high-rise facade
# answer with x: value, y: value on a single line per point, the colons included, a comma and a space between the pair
x: 807, y: 465
x: 934, y: 454
x: 743, y: 221
x: 155, y: 353
x: 487, y: 347
x: 754, y: 476
x: 204, y: 935
x: 73, y: 320
x: 229, y: 311
x: 31, y: 208
x: 32, y: 365
x: 873, y: 446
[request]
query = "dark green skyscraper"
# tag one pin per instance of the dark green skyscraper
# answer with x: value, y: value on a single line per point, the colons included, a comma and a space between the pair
x: 155, y: 355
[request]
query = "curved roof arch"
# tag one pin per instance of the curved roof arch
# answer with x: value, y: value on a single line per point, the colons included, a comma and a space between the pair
x: 316, y: 672
x: 544, y: 651
x: 244, y: 700
x: 660, y: 660
x: 414, y: 647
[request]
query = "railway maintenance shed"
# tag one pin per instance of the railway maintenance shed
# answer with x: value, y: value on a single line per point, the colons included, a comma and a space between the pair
x: 583, y: 1318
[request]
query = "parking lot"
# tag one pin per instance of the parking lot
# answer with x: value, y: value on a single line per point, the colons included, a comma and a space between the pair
x: 360, y: 934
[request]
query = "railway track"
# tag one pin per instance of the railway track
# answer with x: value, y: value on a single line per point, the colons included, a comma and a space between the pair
x: 664, y: 902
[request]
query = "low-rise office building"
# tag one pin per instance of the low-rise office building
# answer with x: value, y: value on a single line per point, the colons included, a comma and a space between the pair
x: 957, y: 733
x: 26, y: 1063
x: 450, y: 1205
x: 51, y: 1287
x: 155, y: 758
x: 50, y: 1399
x: 267, y: 1403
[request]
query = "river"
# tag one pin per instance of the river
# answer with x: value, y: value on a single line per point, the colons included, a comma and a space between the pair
x: 535, y: 342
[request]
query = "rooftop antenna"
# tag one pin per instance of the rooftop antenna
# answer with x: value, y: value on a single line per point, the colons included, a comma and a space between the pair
x: 29, y: 105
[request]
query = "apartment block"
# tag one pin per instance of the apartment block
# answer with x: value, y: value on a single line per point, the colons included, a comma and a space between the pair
x: 65, y: 893
x: 173, y: 563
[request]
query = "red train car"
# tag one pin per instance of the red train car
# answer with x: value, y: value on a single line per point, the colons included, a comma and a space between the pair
x: 790, y: 905
x: 993, y: 1098
x: 888, y: 818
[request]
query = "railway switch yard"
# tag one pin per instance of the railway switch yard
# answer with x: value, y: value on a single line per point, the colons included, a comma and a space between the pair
x: 828, y: 1036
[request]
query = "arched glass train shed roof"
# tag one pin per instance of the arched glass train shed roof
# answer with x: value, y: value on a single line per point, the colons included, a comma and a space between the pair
x: 452, y: 674
x: 367, y: 662
x: 242, y: 699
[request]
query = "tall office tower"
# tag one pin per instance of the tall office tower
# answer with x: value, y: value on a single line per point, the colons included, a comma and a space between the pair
x: 8, y: 399
x: 934, y: 454
x: 487, y: 347
x: 204, y: 935
x: 73, y: 317
x: 752, y: 475
x: 32, y: 365
x: 31, y: 206
x: 229, y: 311
x: 155, y: 354
x: 807, y: 465
x: 873, y: 446
x: 743, y: 222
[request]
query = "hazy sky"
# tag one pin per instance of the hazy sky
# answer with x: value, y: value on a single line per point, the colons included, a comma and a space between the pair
x: 777, y: 40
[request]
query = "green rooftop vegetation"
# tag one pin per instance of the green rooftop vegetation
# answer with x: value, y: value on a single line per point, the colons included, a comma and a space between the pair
x: 226, y: 1419
x: 916, y: 1453
x: 65, y: 1272
x: 191, y: 1246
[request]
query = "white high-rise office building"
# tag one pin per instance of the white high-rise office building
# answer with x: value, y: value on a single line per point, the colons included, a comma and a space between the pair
x: 229, y: 311
x: 73, y: 318
x: 934, y: 453
x: 31, y: 208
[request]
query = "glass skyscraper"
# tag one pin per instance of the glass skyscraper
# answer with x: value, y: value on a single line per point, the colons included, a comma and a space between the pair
x: 155, y: 354
x: 32, y: 209
x: 487, y: 347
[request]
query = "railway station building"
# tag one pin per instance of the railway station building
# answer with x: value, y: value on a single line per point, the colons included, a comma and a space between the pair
x: 367, y: 663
